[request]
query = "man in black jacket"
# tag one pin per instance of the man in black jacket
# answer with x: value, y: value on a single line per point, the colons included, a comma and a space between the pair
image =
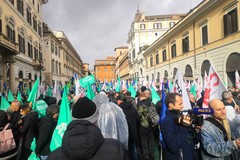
x: 45, y: 131
x: 83, y: 139
x: 132, y: 118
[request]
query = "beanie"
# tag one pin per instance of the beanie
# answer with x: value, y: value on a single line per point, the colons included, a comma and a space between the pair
x: 85, y: 109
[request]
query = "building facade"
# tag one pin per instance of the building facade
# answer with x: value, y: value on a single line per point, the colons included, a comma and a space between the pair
x: 21, y: 56
x: 61, y: 59
x: 105, y: 69
x: 121, y: 61
x: 144, y: 31
x: 209, y: 34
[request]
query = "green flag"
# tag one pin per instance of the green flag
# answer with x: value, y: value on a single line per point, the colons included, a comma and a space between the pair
x: 4, y: 104
x: 133, y: 91
x: 33, y: 155
x: 41, y: 107
x: 155, y: 96
x: 118, y: 87
x: 33, y: 95
x: 10, y: 96
x: 90, y: 93
x: 63, y: 120
x: 193, y: 90
x: 19, y: 97
x: 49, y: 91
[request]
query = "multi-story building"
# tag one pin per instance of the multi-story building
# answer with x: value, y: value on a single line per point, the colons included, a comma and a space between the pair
x: 144, y: 31
x: 105, y: 69
x: 209, y: 34
x: 122, y: 67
x: 21, y: 55
x: 61, y: 59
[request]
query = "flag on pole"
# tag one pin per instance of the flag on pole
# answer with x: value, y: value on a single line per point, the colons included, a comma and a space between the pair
x: 193, y: 89
x: 118, y: 87
x: 63, y: 120
x: 214, y: 88
x: 33, y: 155
x: 155, y: 96
x: 132, y: 91
x: 90, y: 93
x: 49, y: 91
x: 179, y: 87
x: 10, y: 96
x: 162, y: 114
x: 237, y: 80
x: 4, y: 104
x: 33, y: 94
x: 19, y: 97
x: 205, y: 80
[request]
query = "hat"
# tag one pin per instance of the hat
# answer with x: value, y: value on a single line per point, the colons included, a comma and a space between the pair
x: 85, y: 109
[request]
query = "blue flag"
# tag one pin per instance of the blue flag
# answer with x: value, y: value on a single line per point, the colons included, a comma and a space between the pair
x: 4, y: 86
x: 162, y: 114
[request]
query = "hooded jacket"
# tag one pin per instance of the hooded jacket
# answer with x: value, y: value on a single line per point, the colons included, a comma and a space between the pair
x: 132, y: 118
x: 83, y: 140
x: 29, y: 128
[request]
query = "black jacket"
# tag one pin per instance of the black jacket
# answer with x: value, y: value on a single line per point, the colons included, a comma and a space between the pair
x: 132, y: 118
x: 45, y: 131
x: 83, y: 140
x: 29, y: 128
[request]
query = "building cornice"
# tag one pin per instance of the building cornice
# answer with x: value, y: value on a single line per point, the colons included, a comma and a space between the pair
x: 190, y: 17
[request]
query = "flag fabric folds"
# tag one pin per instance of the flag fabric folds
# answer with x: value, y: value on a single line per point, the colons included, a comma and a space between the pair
x: 118, y: 87
x: 33, y: 94
x: 4, y: 104
x: 214, y: 88
x: 179, y: 87
x: 237, y: 80
x: 155, y: 96
x: 10, y: 96
x: 63, y: 120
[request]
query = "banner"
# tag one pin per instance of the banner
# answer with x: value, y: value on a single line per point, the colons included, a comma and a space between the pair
x: 87, y: 80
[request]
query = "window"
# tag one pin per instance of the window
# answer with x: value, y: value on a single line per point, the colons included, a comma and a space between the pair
x: 151, y: 61
x: 142, y: 26
x: 35, y: 24
x: 133, y: 54
x: 56, y: 49
x: 52, y: 47
x: 157, y: 58
x: 185, y: 44
x: 29, y: 16
x: 38, y: 8
x: 52, y: 66
x: 40, y: 56
x: 60, y: 68
x: 171, y: 24
x: 0, y: 26
x: 33, y: 1
x: 157, y: 25
x: 230, y: 21
x: 35, y: 53
x: 30, y: 50
x: 173, y: 50
x: 20, y: 6
x: 56, y: 67
x: 12, y: 1
x: 204, y: 33
x: 10, y: 33
x: 21, y: 44
x: 105, y: 69
x: 164, y: 55
x: 39, y: 29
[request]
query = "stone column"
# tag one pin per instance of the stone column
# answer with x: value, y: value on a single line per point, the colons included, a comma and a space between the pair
x: 12, y: 82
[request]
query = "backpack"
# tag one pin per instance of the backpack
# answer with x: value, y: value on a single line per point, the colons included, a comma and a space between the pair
x: 7, y: 142
x: 153, y: 116
x: 148, y: 115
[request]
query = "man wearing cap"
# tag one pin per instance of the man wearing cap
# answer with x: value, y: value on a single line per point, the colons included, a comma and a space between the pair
x: 83, y: 139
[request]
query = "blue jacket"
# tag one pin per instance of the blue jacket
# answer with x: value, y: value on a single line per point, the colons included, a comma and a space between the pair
x: 214, y: 143
x: 178, y: 138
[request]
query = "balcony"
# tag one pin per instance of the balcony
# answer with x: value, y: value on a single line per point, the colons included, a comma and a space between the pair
x: 8, y: 47
x: 38, y: 65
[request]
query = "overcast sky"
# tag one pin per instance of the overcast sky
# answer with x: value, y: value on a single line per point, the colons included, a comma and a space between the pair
x: 96, y: 27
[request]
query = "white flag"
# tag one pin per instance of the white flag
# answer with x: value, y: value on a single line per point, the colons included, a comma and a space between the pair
x: 237, y: 80
x: 205, y: 80
x: 179, y: 87
x: 214, y: 88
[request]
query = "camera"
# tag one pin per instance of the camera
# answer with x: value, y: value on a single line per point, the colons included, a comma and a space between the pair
x: 195, y: 119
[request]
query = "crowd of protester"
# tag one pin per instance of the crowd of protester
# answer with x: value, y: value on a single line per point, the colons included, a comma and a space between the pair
x: 114, y: 126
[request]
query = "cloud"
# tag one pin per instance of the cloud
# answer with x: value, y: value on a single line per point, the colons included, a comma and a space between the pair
x: 97, y: 27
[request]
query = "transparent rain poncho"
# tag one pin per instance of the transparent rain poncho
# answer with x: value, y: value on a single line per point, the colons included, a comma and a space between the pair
x: 112, y: 121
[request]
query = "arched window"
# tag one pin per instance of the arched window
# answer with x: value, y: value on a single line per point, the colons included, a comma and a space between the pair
x: 188, y: 71
x: 174, y: 72
x: 152, y: 77
x: 20, y: 75
x: 165, y: 75
x: 29, y: 76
